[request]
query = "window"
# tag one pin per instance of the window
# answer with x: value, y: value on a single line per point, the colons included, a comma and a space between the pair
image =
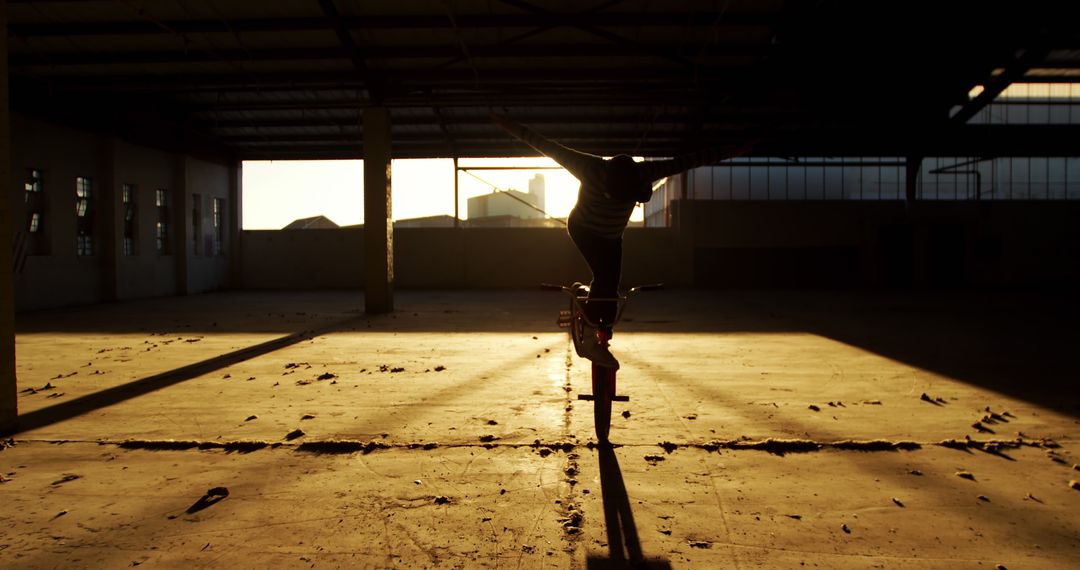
x: 162, y: 238
x: 84, y: 245
x: 84, y: 188
x: 196, y: 222
x: 128, y: 192
x: 37, y: 242
x: 219, y: 226
x: 33, y: 182
x: 161, y: 228
x: 34, y: 200
x: 84, y: 214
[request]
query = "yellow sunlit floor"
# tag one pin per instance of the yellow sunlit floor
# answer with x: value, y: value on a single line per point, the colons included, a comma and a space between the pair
x: 764, y: 430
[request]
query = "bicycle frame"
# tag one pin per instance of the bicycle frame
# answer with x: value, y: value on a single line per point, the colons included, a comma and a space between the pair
x: 603, y: 377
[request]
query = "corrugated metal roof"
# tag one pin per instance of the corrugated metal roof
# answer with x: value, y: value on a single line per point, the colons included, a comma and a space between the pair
x: 288, y: 79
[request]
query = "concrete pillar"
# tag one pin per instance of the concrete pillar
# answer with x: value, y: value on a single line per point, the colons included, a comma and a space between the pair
x: 378, y: 229
x: 180, y: 218
x: 111, y: 220
x: 8, y: 391
x: 233, y: 218
x: 911, y: 177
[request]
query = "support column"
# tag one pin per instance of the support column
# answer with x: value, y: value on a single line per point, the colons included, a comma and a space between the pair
x: 378, y: 229
x: 180, y: 218
x: 8, y: 390
x: 911, y: 177
x: 918, y: 230
x: 234, y: 216
x: 457, y: 195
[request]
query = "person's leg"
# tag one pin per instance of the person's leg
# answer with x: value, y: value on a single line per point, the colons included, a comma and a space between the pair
x: 604, y: 257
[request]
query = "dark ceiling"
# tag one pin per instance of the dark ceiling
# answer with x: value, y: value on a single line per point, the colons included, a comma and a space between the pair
x: 258, y: 79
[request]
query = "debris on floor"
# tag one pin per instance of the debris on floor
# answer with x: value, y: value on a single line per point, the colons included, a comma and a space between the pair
x: 212, y: 497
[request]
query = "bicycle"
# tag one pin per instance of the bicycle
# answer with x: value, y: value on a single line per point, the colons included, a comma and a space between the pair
x: 603, y: 377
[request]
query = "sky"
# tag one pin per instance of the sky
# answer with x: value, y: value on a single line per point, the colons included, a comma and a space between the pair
x: 277, y: 192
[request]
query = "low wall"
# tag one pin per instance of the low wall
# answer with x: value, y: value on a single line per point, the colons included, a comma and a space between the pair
x: 446, y: 258
x: 881, y: 244
x: 714, y: 244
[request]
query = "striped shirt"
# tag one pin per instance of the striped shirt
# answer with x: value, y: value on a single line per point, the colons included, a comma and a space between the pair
x: 604, y: 201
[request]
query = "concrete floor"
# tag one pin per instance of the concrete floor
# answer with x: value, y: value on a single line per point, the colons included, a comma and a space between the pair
x: 449, y: 435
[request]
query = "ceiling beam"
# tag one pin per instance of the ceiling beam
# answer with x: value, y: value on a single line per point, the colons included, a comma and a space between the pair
x: 729, y: 118
x: 358, y: 56
x: 1013, y: 72
x: 1006, y: 140
x: 382, y: 22
x: 635, y: 47
x: 347, y: 79
x: 532, y: 50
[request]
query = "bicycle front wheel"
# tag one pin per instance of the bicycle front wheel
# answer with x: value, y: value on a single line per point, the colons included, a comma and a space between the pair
x: 603, y: 385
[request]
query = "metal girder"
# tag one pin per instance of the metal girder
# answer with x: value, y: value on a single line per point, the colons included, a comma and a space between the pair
x: 347, y: 79
x: 1013, y: 72
x: 583, y: 51
x: 355, y: 54
x: 1006, y: 140
x: 573, y: 100
x: 731, y: 119
x: 638, y: 47
x: 380, y: 22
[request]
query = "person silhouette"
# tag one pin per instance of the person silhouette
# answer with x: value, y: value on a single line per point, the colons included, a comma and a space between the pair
x: 610, y: 190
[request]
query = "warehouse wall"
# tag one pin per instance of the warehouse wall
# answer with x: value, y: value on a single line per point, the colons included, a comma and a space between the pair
x: 882, y: 244
x: 725, y: 244
x: 715, y: 244
x: 432, y: 258
x: 52, y: 274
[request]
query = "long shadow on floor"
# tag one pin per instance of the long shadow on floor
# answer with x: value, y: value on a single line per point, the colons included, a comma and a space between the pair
x: 135, y: 388
x: 624, y: 548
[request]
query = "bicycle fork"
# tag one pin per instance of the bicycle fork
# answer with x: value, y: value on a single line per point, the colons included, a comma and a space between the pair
x: 603, y: 378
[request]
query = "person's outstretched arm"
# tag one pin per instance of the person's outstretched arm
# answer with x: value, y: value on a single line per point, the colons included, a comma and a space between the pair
x: 657, y: 169
x: 576, y: 162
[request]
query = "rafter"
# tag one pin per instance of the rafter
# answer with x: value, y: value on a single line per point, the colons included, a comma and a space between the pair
x: 379, y: 22
x: 533, y: 50
x: 355, y: 54
x: 1013, y: 72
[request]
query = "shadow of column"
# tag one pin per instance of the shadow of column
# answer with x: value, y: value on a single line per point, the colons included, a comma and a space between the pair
x: 116, y: 394
x: 624, y: 548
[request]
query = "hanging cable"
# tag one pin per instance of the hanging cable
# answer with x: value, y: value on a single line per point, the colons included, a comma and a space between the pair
x: 498, y: 190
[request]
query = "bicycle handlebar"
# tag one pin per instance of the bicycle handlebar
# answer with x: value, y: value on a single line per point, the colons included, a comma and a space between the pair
x: 633, y: 290
x: 621, y: 300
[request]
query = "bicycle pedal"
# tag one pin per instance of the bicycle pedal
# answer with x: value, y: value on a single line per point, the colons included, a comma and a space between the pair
x: 588, y: 397
x: 620, y: 398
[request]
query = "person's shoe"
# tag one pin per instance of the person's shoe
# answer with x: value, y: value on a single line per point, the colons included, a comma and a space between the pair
x: 596, y: 352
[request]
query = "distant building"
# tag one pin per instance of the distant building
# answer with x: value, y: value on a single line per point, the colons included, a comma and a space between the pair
x: 505, y: 203
x: 444, y: 221
x: 313, y: 223
x: 537, y: 188
x: 513, y: 222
